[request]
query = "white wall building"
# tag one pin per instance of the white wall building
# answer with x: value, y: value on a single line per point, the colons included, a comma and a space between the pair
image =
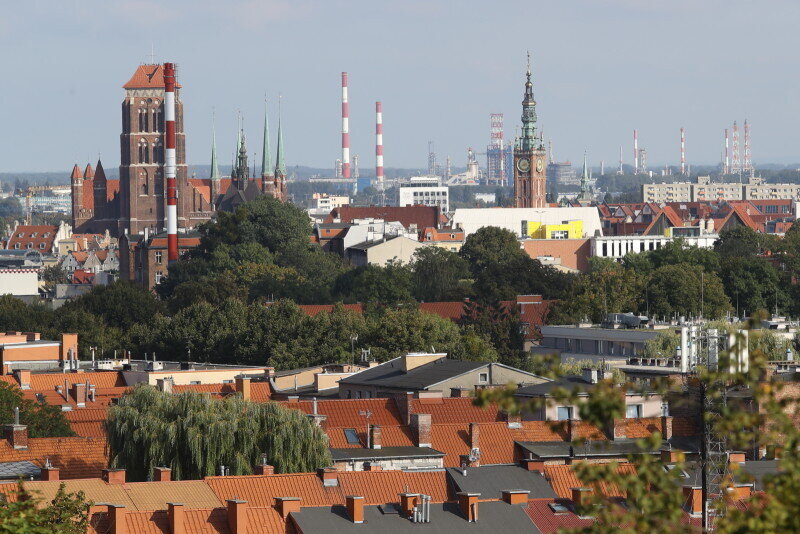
x: 617, y: 247
x: 424, y: 191
x: 470, y: 220
x: 20, y: 282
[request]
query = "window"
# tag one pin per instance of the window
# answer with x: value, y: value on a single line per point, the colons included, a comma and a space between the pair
x: 16, y: 245
x: 665, y: 409
x: 194, y: 382
x: 564, y: 413
x: 30, y: 245
x: 559, y: 234
x: 159, y: 276
x: 41, y: 246
x: 158, y: 257
x: 633, y: 411
x: 143, y: 127
x: 227, y: 381
x: 351, y: 435
x: 483, y: 378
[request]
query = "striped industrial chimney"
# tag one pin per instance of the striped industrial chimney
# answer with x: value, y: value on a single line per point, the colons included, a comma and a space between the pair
x: 379, y: 145
x: 170, y: 163
x: 683, y: 151
x: 345, y: 129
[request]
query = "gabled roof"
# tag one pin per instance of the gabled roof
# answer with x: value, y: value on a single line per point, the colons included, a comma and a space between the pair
x: 563, y: 478
x: 391, y: 375
x: 147, y: 77
x: 550, y: 522
x: 75, y: 457
x: 344, y: 413
x: 421, y: 216
x: 491, y: 480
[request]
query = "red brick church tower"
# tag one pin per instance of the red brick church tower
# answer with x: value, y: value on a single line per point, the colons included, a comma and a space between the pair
x: 141, y: 171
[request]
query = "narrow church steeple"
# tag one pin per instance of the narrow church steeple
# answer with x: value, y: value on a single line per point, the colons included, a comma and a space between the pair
x: 280, y: 165
x: 266, y: 162
x: 214, y: 166
x: 584, y: 190
x: 528, y: 139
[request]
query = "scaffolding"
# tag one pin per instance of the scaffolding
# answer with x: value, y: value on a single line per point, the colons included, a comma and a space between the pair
x: 496, y: 169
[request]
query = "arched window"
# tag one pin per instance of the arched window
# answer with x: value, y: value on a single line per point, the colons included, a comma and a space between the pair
x: 158, y: 118
x: 143, y: 120
x: 158, y: 152
x: 143, y: 185
x: 144, y: 152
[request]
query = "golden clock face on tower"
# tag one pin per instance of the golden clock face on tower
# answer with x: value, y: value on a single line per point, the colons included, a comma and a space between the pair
x: 523, y: 165
x: 539, y: 164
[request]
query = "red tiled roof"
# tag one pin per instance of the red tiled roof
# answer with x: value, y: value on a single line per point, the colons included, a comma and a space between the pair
x: 88, y: 172
x: 391, y: 436
x: 549, y: 522
x: 76, y: 173
x: 76, y: 457
x: 24, y: 235
x: 562, y: 478
x: 455, y: 410
x: 344, y: 413
x: 421, y: 216
x: 100, y: 379
x: 147, y: 77
x: 79, y: 276
x: 313, y: 309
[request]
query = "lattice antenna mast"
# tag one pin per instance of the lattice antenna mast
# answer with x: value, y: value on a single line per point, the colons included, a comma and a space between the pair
x: 748, y: 164
x: 736, y: 167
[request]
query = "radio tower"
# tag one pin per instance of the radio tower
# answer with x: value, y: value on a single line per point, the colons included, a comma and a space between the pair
x: 726, y: 167
x: 737, y: 164
x: 379, y: 146
x: 683, y: 151
x: 345, y: 130
x: 748, y: 164
x: 495, y: 161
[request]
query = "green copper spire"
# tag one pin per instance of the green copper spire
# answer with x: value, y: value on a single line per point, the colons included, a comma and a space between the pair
x: 584, y: 191
x: 266, y: 164
x: 528, y: 139
x: 280, y: 165
x: 214, y: 167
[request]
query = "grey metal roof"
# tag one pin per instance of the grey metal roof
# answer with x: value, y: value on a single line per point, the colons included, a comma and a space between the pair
x: 751, y: 472
x: 391, y: 374
x: 384, y: 453
x: 493, y: 518
x: 617, y: 447
x: 491, y: 480
x: 15, y: 470
x: 569, y: 382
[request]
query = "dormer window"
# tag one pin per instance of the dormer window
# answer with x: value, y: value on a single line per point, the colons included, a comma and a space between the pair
x: 41, y: 246
x: 30, y: 245
x: 34, y: 234
x: 46, y: 235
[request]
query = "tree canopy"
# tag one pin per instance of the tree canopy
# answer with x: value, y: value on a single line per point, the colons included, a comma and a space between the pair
x: 194, y: 435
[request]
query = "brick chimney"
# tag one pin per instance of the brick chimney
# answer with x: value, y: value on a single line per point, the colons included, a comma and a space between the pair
x: 403, y: 402
x: 237, y: 516
x: 79, y: 394
x: 329, y: 477
x: 474, y: 436
x: 407, y: 503
x: 175, y: 518
x: 17, y: 436
x: 69, y: 345
x: 355, y: 508
x: 693, y: 498
x: 672, y: 456
x: 512, y: 420
x: 516, y: 496
x: 162, y: 474
x: 114, y: 476
x: 286, y: 505
x: 23, y: 377
x: 736, y: 458
x: 49, y: 473
x: 468, y: 503
x: 243, y: 387
x: 116, y: 519
x: 581, y: 498
x: 264, y: 469
x: 375, y: 437
x: 666, y: 427
x: 533, y: 465
x: 373, y: 467
x: 421, y: 425
x: 741, y: 492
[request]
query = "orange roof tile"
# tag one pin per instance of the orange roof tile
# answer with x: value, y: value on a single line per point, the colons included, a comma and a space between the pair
x: 562, y: 478
x: 642, y: 428
x: 100, y: 379
x: 313, y: 309
x: 76, y: 457
x: 456, y: 410
x: 391, y: 436
x: 76, y: 173
x: 147, y: 77
x: 343, y: 413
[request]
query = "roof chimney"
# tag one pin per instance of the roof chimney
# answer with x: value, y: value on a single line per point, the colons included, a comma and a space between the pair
x: 516, y: 496
x: 468, y: 502
x: 693, y: 499
x: 16, y: 434
x: 329, y: 477
x: 79, y: 393
x: 116, y: 518
x: 49, y: 473
x: 165, y: 384
x: 237, y: 516
x: 407, y: 503
x: 355, y: 508
x: 243, y: 387
x: 175, y: 518
x: 114, y: 476
x: 533, y: 465
x: 286, y: 505
x: 162, y: 474
x: 375, y: 437
x: 581, y: 498
x: 421, y: 425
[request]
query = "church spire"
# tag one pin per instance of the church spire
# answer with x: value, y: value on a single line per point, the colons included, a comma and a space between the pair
x: 266, y: 164
x: 584, y: 190
x: 214, y: 166
x: 280, y: 165
x: 528, y: 140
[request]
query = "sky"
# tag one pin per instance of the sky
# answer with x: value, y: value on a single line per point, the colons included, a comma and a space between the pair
x: 601, y: 68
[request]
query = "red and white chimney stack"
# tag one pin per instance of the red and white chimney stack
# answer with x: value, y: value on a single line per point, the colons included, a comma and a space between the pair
x: 635, y: 152
x: 683, y: 151
x: 727, y: 166
x: 379, y: 145
x: 170, y: 167
x: 345, y: 129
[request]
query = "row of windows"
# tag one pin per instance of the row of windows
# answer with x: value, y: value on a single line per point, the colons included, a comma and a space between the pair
x: 21, y: 235
x: 632, y: 411
x: 151, y: 121
x: 29, y: 246
x: 151, y: 153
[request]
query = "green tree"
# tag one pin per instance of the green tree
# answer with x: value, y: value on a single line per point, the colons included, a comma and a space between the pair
x: 753, y: 283
x: 686, y: 290
x: 66, y: 513
x: 43, y: 420
x: 194, y: 435
x: 664, y: 345
x: 741, y: 241
x: 121, y: 304
x: 596, y: 294
x: 372, y: 283
x: 438, y: 275
x: 677, y: 251
x: 490, y: 246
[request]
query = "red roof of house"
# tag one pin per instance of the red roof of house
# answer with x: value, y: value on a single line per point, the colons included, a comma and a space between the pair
x: 76, y: 457
x: 39, y: 237
x: 147, y: 77
x: 421, y: 216
x: 549, y: 522
x: 80, y: 276
x: 562, y: 478
x: 313, y: 309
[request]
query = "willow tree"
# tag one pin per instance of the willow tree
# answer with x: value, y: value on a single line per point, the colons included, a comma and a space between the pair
x: 194, y: 435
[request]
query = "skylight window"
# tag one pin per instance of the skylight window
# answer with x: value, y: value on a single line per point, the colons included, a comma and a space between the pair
x: 352, y: 436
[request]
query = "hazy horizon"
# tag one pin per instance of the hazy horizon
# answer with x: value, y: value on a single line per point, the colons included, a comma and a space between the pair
x: 600, y: 70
